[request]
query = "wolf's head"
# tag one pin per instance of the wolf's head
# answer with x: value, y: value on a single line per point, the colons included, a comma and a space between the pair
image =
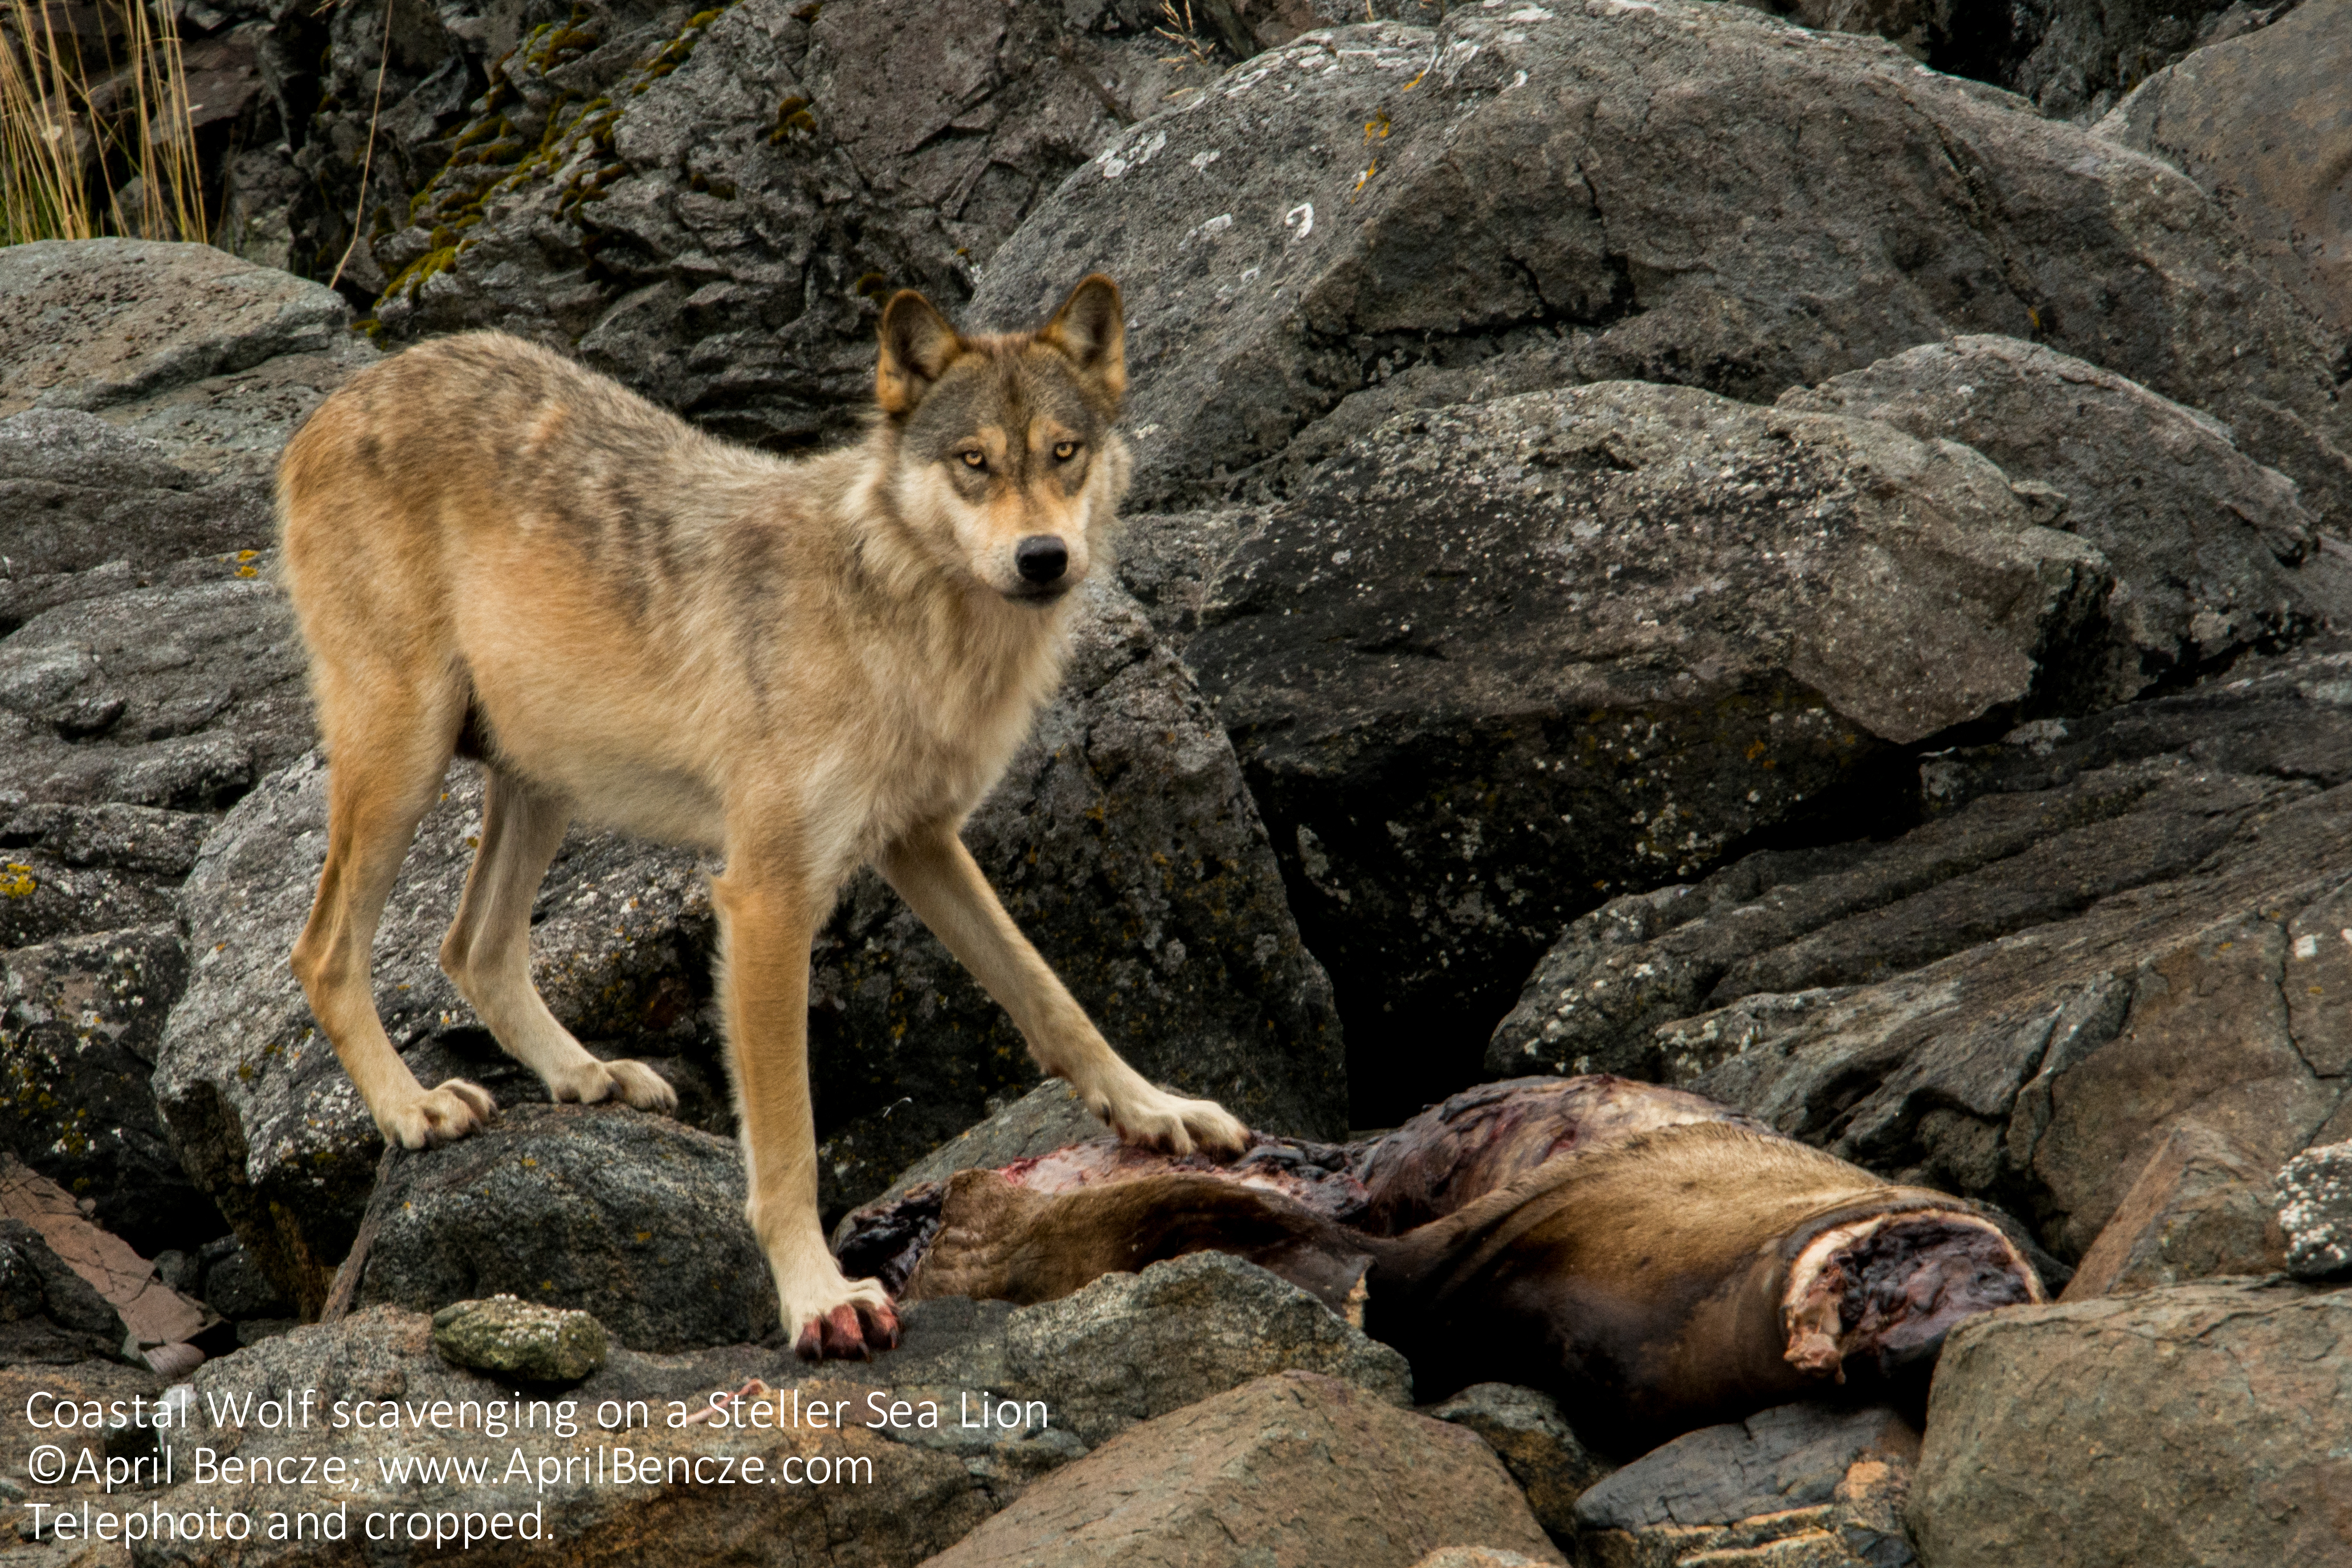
x: 1006, y: 462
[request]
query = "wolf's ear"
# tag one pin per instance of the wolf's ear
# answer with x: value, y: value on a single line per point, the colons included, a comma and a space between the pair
x: 917, y: 345
x: 1091, y: 328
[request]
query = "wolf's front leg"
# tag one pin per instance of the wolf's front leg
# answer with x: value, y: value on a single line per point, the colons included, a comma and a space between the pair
x: 766, y: 920
x: 937, y: 875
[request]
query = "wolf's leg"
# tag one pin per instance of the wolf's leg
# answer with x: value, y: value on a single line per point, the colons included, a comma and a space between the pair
x: 766, y: 917
x: 382, y: 773
x: 488, y: 952
x: 940, y: 881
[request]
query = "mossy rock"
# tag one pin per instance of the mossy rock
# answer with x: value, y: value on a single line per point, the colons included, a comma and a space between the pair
x: 512, y: 1337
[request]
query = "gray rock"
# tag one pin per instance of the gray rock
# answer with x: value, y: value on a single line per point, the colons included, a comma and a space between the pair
x: 2260, y: 122
x: 711, y: 206
x: 1566, y: 214
x: 2000, y: 1002
x: 2316, y: 1212
x: 2184, y: 1426
x: 110, y: 835
x: 1501, y: 657
x: 1793, y: 1455
x: 79, y: 493
x: 903, y: 1503
x: 1528, y: 1434
x: 266, y: 1118
x: 177, y: 695
x: 214, y: 357
x: 506, y: 1337
x: 595, y: 1209
x: 1131, y: 1347
x: 2202, y: 539
x: 235, y: 1287
x: 80, y: 1019
x: 43, y: 899
x: 1169, y: 560
x: 49, y: 1315
x: 2072, y: 57
x: 1125, y: 843
x: 1294, y: 1467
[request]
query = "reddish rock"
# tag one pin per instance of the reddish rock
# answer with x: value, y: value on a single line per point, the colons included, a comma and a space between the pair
x: 2197, y: 1424
x: 2202, y: 1206
x: 1291, y: 1471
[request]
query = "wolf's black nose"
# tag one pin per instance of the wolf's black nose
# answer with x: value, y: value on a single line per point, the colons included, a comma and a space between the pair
x: 1041, y: 557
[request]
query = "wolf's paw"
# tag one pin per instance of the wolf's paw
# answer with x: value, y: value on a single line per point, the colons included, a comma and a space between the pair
x: 857, y: 1322
x: 440, y: 1115
x: 641, y: 1085
x: 1153, y: 1118
x: 590, y: 1082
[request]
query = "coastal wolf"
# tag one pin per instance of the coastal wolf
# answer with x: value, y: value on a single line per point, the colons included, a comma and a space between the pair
x: 807, y: 665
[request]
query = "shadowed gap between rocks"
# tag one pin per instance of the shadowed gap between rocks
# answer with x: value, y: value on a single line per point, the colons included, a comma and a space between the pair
x: 1402, y: 1058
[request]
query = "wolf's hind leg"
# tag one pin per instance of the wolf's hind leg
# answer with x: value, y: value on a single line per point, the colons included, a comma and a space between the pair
x: 942, y: 884
x: 488, y: 952
x: 382, y: 775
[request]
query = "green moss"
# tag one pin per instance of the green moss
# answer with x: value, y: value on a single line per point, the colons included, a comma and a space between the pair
x: 448, y: 204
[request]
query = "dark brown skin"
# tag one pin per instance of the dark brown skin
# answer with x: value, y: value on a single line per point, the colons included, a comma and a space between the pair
x: 1629, y: 1248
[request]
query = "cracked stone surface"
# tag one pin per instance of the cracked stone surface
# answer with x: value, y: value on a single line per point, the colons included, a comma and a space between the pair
x: 80, y: 1019
x: 1672, y: 192
x: 2195, y: 1424
x: 2110, y: 926
x: 2204, y: 541
x: 266, y: 1118
x: 2258, y: 121
x: 711, y: 204
x: 1497, y: 659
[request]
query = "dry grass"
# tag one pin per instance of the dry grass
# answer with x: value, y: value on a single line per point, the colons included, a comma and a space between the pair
x: 1177, y: 27
x: 94, y: 134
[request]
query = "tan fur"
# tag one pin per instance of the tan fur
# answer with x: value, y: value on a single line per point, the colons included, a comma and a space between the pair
x: 808, y: 665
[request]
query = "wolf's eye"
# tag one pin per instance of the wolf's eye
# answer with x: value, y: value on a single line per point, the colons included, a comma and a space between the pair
x: 975, y: 459
x: 1065, y: 450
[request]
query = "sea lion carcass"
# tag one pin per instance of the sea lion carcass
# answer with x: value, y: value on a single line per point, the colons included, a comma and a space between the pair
x: 1657, y: 1260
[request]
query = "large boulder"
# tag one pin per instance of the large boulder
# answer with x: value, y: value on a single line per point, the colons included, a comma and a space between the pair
x: 214, y: 357
x: 846, y: 1495
x: 1676, y: 192
x: 711, y: 204
x: 1497, y: 659
x: 1122, y: 840
x: 2203, y: 541
x: 1294, y: 1468
x: 1529, y: 1434
x: 82, y: 493
x: 2200, y: 1207
x: 2085, y: 946
x: 598, y: 1209
x: 2262, y: 124
x: 2195, y: 1424
x: 145, y: 389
